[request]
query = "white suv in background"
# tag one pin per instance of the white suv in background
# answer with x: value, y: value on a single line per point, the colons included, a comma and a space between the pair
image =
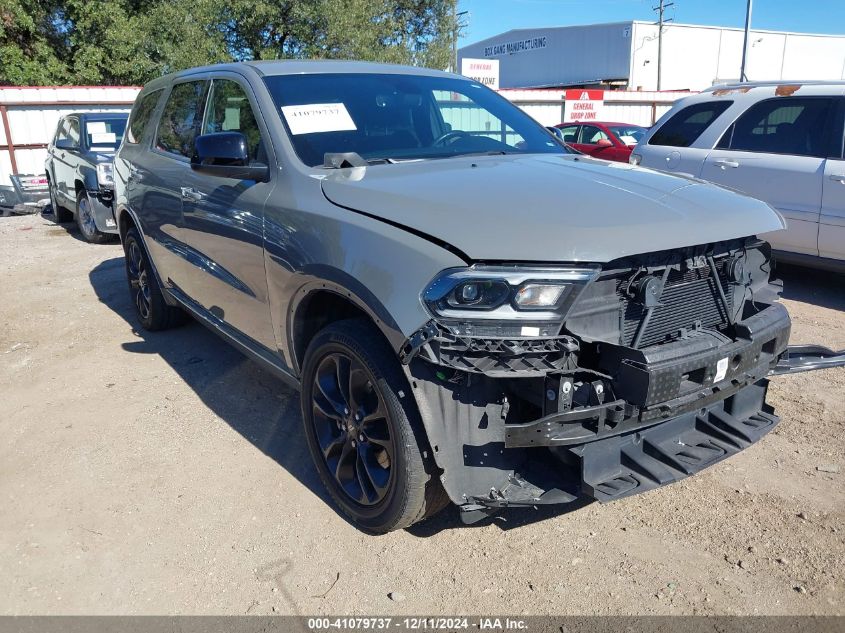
x: 779, y: 142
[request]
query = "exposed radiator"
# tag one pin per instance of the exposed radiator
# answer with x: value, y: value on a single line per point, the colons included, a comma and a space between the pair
x: 690, y: 300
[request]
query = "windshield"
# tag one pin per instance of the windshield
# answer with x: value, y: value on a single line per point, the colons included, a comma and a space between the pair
x: 104, y: 134
x: 387, y: 116
x: 628, y: 134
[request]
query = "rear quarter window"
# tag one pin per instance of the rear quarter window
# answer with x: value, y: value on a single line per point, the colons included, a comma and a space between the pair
x: 141, y: 115
x: 685, y: 126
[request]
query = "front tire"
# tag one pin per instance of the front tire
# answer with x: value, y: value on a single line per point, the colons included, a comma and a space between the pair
x: 85, y: 221
x: 364, y: 432
x: 147, y: 298
x: 60, y: 214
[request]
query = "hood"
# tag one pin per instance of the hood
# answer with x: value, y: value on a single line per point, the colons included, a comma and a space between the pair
x: 548, y: 208
x: 101, y: 156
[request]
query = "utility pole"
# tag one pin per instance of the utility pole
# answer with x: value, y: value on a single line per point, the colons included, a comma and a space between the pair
x: 661, y: 8
x: 742, y: 75
x: 456, y: 20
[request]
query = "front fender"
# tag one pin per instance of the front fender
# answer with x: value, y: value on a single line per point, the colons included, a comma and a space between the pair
x: 87, y: 175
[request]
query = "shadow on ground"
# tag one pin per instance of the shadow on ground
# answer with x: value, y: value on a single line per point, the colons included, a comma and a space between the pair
x: 816, y: 287
x: 255, y: 403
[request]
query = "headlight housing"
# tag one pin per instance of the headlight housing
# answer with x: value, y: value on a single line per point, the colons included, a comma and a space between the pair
x: 105, y: 174
x: 506, y: 293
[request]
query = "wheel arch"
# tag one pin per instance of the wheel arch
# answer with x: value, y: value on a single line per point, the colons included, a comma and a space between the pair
x: 319, y: 303
x: 126, y: 220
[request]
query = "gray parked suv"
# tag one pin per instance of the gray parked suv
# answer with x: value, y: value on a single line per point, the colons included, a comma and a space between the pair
x: 471, y: 312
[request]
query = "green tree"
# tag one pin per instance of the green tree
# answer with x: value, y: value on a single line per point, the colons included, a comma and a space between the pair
x: 132, y: 41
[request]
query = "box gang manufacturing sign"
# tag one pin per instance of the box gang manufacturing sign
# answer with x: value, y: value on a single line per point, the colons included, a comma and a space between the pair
x: 484, y: 71
x: 583, y: 105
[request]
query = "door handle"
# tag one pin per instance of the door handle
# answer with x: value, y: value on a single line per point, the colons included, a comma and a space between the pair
x: 838, y: 178
x: 725, y: 163
x: 191, y: 194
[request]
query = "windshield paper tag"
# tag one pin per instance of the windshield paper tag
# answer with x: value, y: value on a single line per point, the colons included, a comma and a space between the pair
x: 104, y: 138
x: 97, y: 127
x: 318, y: 117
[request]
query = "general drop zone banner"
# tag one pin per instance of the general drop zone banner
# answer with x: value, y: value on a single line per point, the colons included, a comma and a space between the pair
x: 583, y: 105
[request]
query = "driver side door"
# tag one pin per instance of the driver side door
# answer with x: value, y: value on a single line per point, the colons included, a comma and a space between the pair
x: 64, y: 162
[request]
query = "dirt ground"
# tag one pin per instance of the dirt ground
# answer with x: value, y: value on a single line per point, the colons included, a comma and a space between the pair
x: 166, y: 473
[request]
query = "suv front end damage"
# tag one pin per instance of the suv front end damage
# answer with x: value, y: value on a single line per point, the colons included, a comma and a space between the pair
x: 542, y: 384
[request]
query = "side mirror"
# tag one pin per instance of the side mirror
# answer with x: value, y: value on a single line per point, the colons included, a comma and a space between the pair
x: 604, y: 143
x: 226, y: 155
x: 66, y: 144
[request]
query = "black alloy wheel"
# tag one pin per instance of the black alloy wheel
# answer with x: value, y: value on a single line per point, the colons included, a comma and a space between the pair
x: 136, y: 271
x: 351, y: 427
x: 364, y: 430
x: 150, y: 306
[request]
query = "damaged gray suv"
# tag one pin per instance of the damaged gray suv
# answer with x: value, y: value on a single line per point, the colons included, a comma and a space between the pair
x: 471, y: 312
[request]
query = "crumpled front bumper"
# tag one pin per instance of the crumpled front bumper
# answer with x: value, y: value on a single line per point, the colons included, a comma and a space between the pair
x: 103, y: 210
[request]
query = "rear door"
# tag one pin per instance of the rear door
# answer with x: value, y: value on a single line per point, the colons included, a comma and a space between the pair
x: 162, y: 175
x: 675, y: 147
x: 223, y: 220
x: 832, y: 218
x: 64, y: 162
x: 776, y: 152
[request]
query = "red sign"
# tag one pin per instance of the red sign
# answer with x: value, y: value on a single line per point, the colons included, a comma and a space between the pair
x: 583, y: 105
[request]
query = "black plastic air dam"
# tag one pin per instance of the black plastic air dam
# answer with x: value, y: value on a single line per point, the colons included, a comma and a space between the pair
x: 629, y: 464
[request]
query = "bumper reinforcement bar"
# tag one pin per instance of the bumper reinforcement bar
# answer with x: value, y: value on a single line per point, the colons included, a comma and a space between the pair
x: 800, y: 358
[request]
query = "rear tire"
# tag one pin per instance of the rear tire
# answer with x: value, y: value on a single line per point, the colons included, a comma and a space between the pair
x: 364, y: 431
x: 60, y: 214
x: 85, y: 220
x: 147, y: 298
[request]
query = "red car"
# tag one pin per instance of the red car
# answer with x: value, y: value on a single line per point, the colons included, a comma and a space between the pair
x: 610, y: 141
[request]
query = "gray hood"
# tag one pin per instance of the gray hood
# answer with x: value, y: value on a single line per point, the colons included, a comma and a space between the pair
x: 549, y: 207
x: 101, y: 156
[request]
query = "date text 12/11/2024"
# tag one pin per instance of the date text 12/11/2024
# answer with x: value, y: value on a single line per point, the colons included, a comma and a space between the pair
x: 416, y: 624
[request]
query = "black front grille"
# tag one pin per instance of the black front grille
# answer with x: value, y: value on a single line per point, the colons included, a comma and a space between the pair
x: 690, y: 300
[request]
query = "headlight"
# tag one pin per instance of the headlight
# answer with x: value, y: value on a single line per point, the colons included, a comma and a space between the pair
x: 105, y: 174
x: 506, y: 293
x: 635, y: 159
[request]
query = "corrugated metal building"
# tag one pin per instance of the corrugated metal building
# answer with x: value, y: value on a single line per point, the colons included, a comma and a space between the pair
x: 624, y: 55
x: 29, y: 116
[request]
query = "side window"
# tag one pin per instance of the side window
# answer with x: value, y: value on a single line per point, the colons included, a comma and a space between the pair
x: 683, y: 128
x: 590, y: 135
x: 73, y: 130
x: 229, y: 111
x: 61, y: 132
x: 784, y: 125
x: 181, y: 118
x: 570, y: 133
x: 141, y: 115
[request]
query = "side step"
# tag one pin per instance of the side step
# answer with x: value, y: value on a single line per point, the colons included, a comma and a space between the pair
x: 800, y: 358
x: 625, y: 465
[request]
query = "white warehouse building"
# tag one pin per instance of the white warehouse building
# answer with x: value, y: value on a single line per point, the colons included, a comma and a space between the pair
x: 624, y: 55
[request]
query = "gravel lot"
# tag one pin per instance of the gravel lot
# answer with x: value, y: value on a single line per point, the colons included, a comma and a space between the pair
x: 166, y: 473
